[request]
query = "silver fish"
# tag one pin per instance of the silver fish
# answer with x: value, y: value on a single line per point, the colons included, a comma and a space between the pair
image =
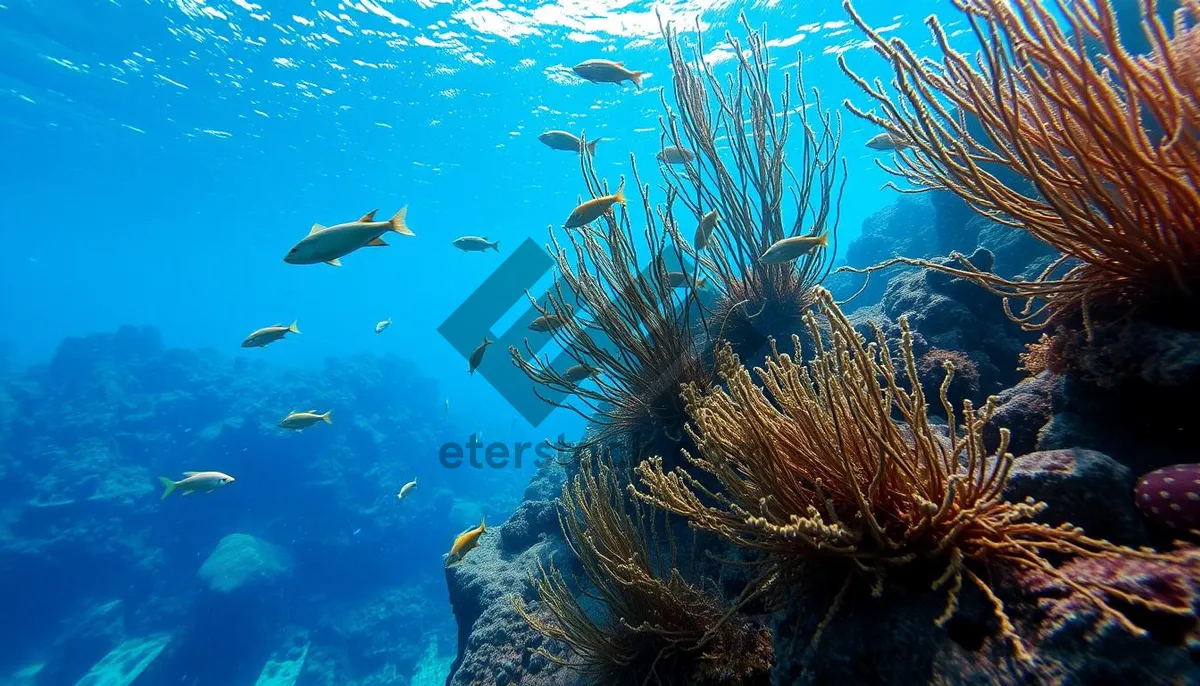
x: 192, y: 482
x: 327, y: 244
x: 788, y: 249
x: 269, y: 334
x: 675, y: 155
x: 562, y: 140
x: 477, y: 356
x: 887, y: 141
x: 607, y: 71
x: 475, y: 244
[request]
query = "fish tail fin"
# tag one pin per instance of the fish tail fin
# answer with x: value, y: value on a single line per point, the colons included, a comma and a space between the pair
x: 620, y: 197
x: 496, y: 246
x: 637, y: 77
x: 292, y: 328
x: 397, y: 222
x: 170, y: 486
x: 591, y: 147
x: 823, y: 240
x: 482, y: 523
x: 326, y: 417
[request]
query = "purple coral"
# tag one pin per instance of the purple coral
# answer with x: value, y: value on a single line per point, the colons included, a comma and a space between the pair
x: 1171, y: 496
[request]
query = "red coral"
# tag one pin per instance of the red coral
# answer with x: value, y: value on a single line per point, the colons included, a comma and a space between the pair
x: 1171, y: 496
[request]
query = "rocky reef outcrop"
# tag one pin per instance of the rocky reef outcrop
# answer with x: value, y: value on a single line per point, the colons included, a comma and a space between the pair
x: 1079, y: 450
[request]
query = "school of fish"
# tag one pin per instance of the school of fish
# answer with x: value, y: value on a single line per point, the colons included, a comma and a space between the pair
x: 329, y: 244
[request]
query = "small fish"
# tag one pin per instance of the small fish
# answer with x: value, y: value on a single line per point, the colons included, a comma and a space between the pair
x: 675, y: 155
x: 593, y: 209
x: 708, y: 224
x: 607, y: 71
x: 679, y: 280
x: 299, y: 421
x: 269, y: 334
x: 579, y: 372
x: 195, y: 481
x: 547, y: 323
x: 383, y: 325
x: 477, y: 356
x: 447, y: 406
x: 561, y: 140
x: 465, y: 542
x: 887, y: 141
x: 406, y: 488
x: 788, y: 249
x: 475, y: 244
x: 327, y: 244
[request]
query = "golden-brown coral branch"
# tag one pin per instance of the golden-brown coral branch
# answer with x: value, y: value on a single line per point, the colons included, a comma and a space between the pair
x: 1107, y: 143
x: 656, y: 624
x: 623, y: 319
x: 813, y: 466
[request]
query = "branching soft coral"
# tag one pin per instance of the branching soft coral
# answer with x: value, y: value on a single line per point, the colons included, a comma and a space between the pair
x: 626, y: 323
x: 814, y: 469
x: 1109, y: 143
x: 660, y: 628
x: 738, y: 133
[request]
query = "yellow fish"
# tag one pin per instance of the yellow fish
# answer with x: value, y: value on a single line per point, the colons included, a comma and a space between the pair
x: 708, y: 224
x: 788, y: 249
x: 595, y: 208
x: 303, y: 420
x: 465, y: 543
x: 269, y: 334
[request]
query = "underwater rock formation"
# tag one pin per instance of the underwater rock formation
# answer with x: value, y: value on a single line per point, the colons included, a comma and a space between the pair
x: 495, y: 645
x: 240, y: 560
x: 957, y: 318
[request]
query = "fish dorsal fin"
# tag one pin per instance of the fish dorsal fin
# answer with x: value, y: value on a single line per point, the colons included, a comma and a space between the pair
x: 311, y: 411
x: 368, y: 217
x: 376, y: 241
x: 186, y: 474
x: 619, y: 64
x: 335, y: 262
x: 315, y: 228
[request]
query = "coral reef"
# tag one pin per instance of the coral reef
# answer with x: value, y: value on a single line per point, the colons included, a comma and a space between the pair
x: 656, y: 624
x: 958, y: 318
x: 82, y: 441
x: 812, y: 467
x: 1119, y: 202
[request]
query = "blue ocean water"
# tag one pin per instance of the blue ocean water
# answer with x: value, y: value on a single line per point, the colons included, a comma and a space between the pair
x: 157, y: 160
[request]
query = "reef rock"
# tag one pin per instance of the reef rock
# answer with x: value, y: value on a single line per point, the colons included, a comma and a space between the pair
x: 956, y: 317
x: 1083, y: 487
x: 242, y: 559
x: 495, y: 644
